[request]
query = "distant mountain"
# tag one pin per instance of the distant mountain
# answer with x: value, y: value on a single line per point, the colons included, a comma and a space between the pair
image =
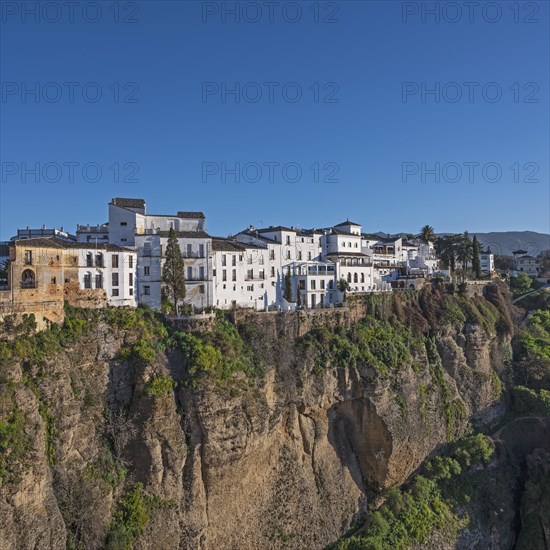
x: 504, y: 243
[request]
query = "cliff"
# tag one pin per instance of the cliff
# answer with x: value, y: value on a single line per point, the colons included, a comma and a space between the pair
x: 120, y: 432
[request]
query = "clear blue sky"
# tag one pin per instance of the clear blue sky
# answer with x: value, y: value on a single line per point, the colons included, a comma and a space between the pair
x: 369, y: 132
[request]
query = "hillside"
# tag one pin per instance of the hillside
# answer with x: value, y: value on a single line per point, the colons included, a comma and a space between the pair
x: 275, y: 430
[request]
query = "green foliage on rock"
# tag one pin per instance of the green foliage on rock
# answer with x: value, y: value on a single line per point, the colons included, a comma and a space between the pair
x: 528, y: 401
x: 218, y: 354
x: 371, y: 343
x: 160, y: 384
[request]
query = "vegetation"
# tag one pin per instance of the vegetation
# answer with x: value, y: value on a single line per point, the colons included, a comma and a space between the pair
x: 288, y: 286
x: 521, y: 284
x: 409, y: 515
x: 160, y: 384
x: 173, y: 271
x: 476, y: 260
x: 134, y: 511
x: 427, y: 234
x: 218, y: 354
x: 528, y: 401
x: 375, y: 344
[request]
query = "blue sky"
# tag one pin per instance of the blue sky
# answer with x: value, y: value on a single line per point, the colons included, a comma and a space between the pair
x: 172, y: 131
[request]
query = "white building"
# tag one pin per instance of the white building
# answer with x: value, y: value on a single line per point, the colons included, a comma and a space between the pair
x: 524, y: 263
x: 108, y: 267
x: 92, y: 233
x: 130, y: 225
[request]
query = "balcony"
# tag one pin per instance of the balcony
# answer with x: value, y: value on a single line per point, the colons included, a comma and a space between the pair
x: 28, y: 284
x: 193, y: 255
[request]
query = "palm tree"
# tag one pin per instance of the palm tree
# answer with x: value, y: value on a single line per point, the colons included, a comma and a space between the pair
x: 427, y: 234
x: 465, y: 252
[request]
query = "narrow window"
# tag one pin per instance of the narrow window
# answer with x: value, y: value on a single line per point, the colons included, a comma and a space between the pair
x: 114, y: 261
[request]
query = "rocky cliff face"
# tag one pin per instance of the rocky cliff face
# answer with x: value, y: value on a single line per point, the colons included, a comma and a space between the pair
x: 285, y: 459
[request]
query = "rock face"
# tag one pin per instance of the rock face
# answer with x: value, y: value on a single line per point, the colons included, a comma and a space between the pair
x: 288, y: 462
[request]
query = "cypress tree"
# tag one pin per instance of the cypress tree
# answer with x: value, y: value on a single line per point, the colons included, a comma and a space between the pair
x: 476, y: 261
x: 288, y: 286
x: 173, y: 271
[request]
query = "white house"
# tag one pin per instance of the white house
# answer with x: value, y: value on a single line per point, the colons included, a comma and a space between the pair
x: 108, y: 267
x: 130, y: 225
x: 92, y: 233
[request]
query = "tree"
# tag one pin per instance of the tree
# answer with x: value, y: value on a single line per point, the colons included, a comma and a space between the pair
x: 298, y: 296
x: 173, y: 271
x: 447, y: 248
x: 288, y: 286
x: 465, y: 250
x: 476, y: 261
x: 521, y: 284
x: 343, y: 286
x: 427, y: 234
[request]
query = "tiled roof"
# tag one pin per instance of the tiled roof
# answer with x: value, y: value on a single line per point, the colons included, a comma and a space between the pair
x: 128, y: 203
x: 186, y: 234
x: 276, y: 228
x: 348, y: 254
x: 192, y: 215
x: 347, y: 222
x: 53, y: 242
x: 219, y: 244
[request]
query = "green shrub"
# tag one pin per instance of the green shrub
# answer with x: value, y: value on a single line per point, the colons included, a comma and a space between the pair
x: 14, y: 445
x: 160, y: 384
x: 528, y: 401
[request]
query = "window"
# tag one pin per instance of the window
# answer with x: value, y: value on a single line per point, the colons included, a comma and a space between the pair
x: 146, y: 250
x: 201, y: 273
x: 224, y: 275
x: 146, y: 290
x: 355, y: 278
x: 189, y: 273
x: 224, y: 260
x: 272, y: 254
x: 299, y: 255
x: 288, y: 239
x: 302, y: 285
x: 131, y: 261
x: 234, y: 275
x: 131, y: 292
x: 54, y: 281
x: 99, y: 260
x: 28, y: 257
x: 273, y: 272
x: 114, y: 261
x: 189, y: 249
x: 99, y: 280
x: 343, y: 244
x: 201, y: 289
x: 288, y: 254
x: 131, y: 279
x: 309, y: 256
x: 201, y: 250
x: 234, y: 260
x: 115, y: 292
x: 362, y: 277
x: 123, y: 223
x: 114, y: 279
x: 147, y: 270
x: 322, y: 284
x: 349, y: 277
x: 123, y: 240
x: 262, y: 274
x: 313, y: 285
x: 88, y: 280
x: 250, y: 274
x: 356, y: 245
x: 89, y: 259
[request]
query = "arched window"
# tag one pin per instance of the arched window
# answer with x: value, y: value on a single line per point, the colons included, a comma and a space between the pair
x: 89, y: 259
x: 99, y: 260
x: 355, y: 278
x: 362, y: 277
x: 349, y: 277
x: 28, y: 279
